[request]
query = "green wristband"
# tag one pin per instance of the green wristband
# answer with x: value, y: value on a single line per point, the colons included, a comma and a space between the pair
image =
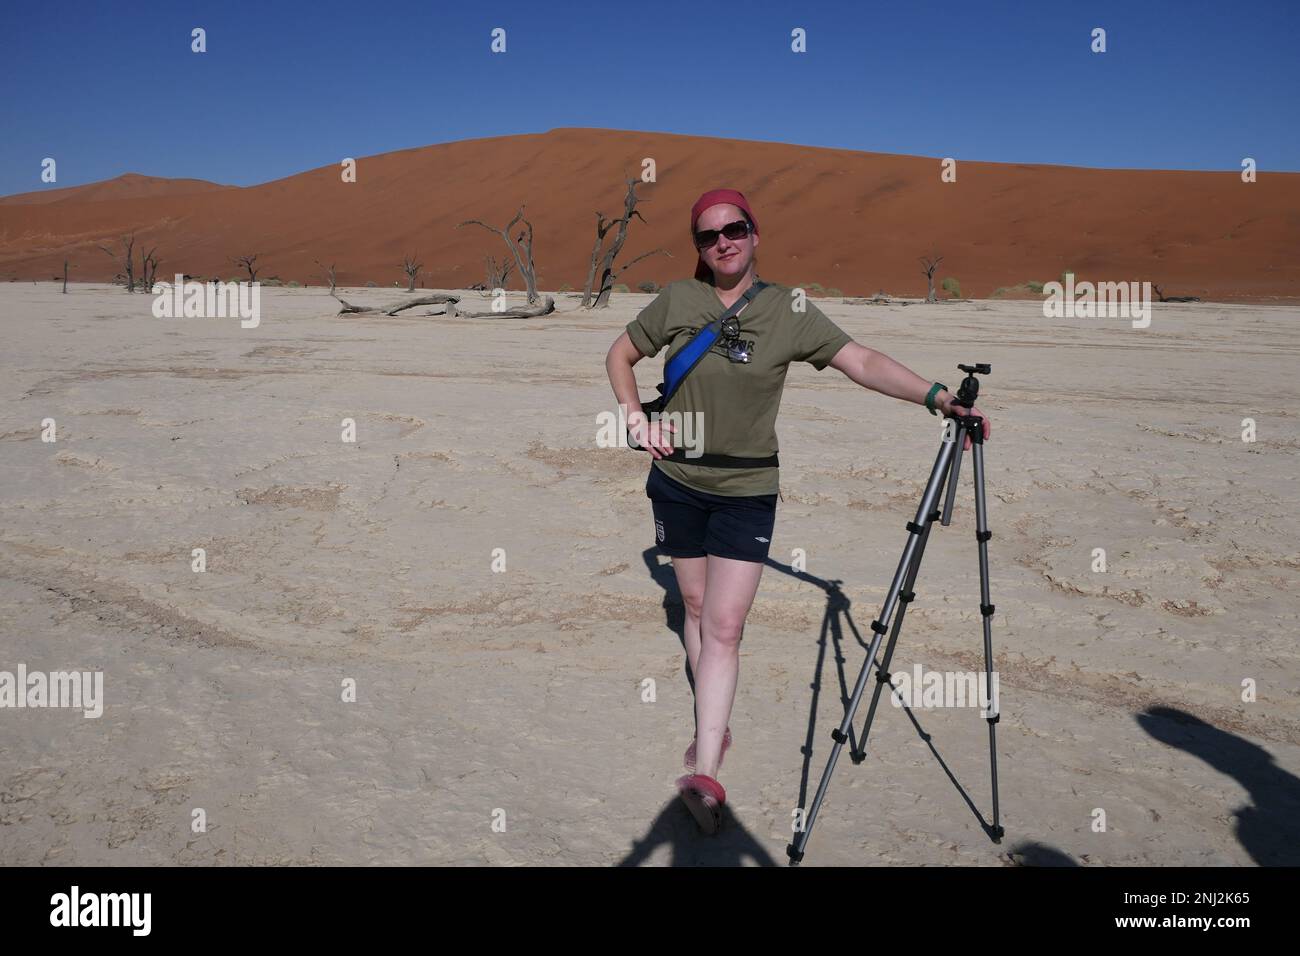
x: 935, y: 389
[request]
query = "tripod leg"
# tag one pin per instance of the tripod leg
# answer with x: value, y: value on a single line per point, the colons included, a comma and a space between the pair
x: 916, y: 530
x: 950, y: 428
x: 983, y: 534
x: 905, y: 601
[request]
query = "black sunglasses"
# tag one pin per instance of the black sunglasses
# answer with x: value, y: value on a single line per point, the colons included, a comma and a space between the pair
x: 732, y: 230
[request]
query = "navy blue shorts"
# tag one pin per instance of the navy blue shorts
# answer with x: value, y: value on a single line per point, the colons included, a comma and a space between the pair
x: 691, y: 524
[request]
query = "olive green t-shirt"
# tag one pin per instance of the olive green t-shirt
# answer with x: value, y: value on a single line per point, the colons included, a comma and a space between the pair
x: 739, y: 401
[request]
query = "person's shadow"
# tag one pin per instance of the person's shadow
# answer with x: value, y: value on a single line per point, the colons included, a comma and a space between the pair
x: 1269, y: 826
x: 676, y: 827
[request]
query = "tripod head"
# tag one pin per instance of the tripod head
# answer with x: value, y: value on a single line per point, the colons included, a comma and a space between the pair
x: 969, y: 389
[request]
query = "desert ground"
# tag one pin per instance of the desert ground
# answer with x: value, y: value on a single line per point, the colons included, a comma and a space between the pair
x: 517, y: 697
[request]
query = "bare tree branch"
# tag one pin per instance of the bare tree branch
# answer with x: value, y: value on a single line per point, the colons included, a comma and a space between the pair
x: 605, y: 265
x: 249, y: 263
x: 931, y: 262
x: 148, y: 268
x: 521, y: 248
x: 327, y: 273
x: 412, y: 269
x: 127, y: 258
x: 498, y: 274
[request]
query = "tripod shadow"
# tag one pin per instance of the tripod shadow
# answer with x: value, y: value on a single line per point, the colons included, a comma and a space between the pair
x: 1269, y: 826
x: 837, y: 606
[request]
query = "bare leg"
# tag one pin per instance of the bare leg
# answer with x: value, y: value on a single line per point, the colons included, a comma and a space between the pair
x: 728, y: 596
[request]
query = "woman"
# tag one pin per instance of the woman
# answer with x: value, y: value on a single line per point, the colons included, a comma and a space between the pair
x: 715, y: 520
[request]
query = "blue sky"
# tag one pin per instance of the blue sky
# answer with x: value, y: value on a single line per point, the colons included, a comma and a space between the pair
x: 110, y: 86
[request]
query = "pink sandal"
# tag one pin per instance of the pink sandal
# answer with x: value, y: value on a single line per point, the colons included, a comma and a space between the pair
x: 688, y: 759
x: 704, y: 797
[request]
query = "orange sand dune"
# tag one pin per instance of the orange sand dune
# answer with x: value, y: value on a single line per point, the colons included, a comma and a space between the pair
x: 126, y: 186
x: 852, y: 221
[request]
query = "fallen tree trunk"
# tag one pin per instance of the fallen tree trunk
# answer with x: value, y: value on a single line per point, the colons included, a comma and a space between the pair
x: 546, y: 307
x: 437, y: 298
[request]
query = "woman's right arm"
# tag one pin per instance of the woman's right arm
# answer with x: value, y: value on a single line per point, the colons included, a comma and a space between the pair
x: 653, y: 436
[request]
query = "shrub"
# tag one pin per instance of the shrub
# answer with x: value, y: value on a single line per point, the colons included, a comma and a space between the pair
x: 649, y: 286
x: 1035, y: 287
x: 272, y: 282
x: 1067, y: 272
x: 620, y: 288
x: 834, y: 291
x: 565, y: 288
x: 951, y: 286
x: 371, y: 285
x: 292, y: 285
x: 235, y: 279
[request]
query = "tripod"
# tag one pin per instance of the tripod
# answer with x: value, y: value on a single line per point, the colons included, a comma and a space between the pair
x: 946, y: 468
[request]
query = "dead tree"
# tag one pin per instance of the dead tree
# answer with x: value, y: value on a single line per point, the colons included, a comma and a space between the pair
x: 148, y: 268
x: 931, y: 262
x: 249, y: 263
x: 65, y: 276
x: 521, y: 248
x: 412, y: 269
x: 497, y: 273
x: 605, y: 265
x: 127, y: 254
x: 328, y: 273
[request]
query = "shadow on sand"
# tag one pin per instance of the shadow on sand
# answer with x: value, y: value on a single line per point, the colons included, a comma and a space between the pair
x: 1269, y: 826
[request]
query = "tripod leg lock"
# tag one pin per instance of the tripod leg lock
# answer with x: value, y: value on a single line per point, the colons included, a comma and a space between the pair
x: 884, y: 677
x: 987, y: 609
x: 995, y: 718
x: 983, y: 535
x: 838, y: 737
x: 907, y: 597
x: 878, y: 627
x: 915, y: 528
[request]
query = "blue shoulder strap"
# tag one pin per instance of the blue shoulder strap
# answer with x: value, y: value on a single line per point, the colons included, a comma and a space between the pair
x: 684, y: 360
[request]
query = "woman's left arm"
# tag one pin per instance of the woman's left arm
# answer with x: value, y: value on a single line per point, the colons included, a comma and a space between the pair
x: 880, y: 373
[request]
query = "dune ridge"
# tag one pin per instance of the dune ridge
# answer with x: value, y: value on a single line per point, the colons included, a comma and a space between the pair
x: 855, y: 222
